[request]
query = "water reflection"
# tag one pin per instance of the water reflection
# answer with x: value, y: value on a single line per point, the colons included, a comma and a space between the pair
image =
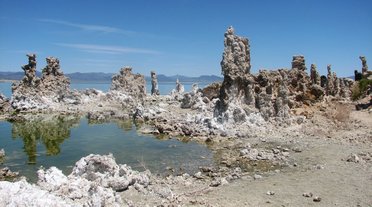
x: 50, y: 130
x: 126, y: 125
x: 66, y: 139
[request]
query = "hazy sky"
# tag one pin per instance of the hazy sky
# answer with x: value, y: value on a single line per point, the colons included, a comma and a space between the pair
x: 183, y: 36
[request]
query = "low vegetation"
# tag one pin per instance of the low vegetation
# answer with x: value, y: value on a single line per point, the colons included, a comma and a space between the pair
x: 360, y: 88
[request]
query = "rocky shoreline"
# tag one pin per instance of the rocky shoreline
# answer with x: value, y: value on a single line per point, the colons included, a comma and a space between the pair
x: 260, y: 127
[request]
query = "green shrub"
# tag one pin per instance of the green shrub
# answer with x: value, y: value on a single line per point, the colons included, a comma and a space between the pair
x: 360, y: 88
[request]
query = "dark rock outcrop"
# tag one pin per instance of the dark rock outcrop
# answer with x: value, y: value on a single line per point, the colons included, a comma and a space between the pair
x: 357, y: 75
x: 212, y: 91
x: 154, y: 84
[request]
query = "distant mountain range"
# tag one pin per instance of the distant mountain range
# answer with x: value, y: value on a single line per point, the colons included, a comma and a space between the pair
x: 106, y: 77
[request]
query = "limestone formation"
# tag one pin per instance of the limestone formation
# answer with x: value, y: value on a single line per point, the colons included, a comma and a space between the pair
x: 35, y: 93
x: 336, y: 84
x: 52, y: 68
x: 126, y: 82
x: 179, y: 87
x: 298, y: 62
x: 330, y: 81
x: 30, y: 78
x: 53, y: 80
x: 154, y: 84
x: 235, y: 67
x: 343, y: 89
x: 236, y: 56
x: 177, y: 93
x: 194, y: 99
x: 314, y: 75
x: 281, y: 102
x: 364, y: 65
x: 242, y: 93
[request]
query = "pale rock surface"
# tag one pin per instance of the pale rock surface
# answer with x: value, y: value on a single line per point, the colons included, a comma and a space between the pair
x: 94, y: 181
x: 177, y: 93
x: 21, y: 193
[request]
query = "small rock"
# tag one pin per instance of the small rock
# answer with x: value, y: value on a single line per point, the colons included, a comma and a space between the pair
x: 215, y: 183
x: 353, y: 158
x: 244, y: 152
x: 257, y: 177
x: 206, y: 169
x: 285, y: 150
x: 198, y: 175
x: 224, y: 181
x: 319, y: 167
x: 286, y: 154
x: 270, y: 193
x: 307, y: 195
x: 317, y: 199
x: 169, y: 168
x: 296, y: 149
x: 276, y: 151
x: 7, y: 173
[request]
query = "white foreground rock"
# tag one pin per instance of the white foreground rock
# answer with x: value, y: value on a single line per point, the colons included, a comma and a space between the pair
x: 94, y: 181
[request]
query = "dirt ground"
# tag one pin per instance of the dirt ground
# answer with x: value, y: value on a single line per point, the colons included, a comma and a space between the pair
x: 322, y: 170
x: 319, y: 174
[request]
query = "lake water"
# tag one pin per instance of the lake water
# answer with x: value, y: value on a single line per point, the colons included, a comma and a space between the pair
x: 60, y: 141
x: 164, y: 87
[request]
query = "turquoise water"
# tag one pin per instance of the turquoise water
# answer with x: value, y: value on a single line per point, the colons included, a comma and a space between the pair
x: 5, y: 88
x: 165, y: 88
x: 60, y: 141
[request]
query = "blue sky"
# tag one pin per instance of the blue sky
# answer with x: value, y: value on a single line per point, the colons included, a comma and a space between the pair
x: 183, y: 37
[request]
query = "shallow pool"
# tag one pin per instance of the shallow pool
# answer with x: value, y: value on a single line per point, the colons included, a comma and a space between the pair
x: 62, y: 140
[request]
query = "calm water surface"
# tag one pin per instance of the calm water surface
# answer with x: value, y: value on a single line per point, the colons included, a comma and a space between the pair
x: 164, y: 87
x: 60, y: 141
